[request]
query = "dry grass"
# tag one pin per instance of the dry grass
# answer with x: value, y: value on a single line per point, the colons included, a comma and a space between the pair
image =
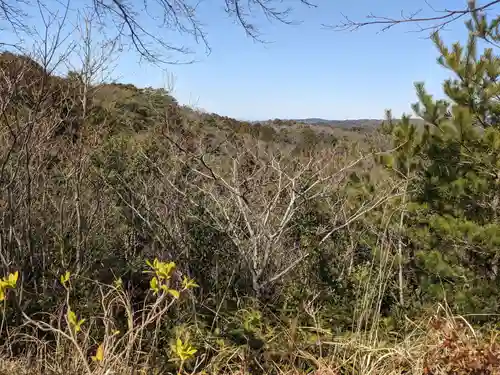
x: 441, y: 345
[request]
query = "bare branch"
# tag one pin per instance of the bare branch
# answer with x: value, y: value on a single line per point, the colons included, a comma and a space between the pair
x: 443, y: 18
x: 146, y: 27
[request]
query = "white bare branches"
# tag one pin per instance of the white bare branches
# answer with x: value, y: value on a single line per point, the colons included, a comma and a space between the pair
x: 253, y: 193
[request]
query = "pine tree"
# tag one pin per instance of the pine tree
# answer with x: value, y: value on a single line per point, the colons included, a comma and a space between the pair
x: 452, y: 165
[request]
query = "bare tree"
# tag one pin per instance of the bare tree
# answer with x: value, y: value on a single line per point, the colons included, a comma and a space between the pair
x: 253, y: 194
x: 28, y: 117
x: 37, y: 111
x: 146, y: 26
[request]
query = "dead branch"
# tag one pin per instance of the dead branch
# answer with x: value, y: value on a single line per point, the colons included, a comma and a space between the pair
x: 443, y: 18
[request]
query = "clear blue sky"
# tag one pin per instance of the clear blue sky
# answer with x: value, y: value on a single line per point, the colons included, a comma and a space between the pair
x: 306, y: 71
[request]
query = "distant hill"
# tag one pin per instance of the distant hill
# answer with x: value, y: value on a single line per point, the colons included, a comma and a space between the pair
x: 361, y: 123
x: 348, y: 124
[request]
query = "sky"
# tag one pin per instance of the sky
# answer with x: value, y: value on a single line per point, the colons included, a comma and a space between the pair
x: 305, y: 70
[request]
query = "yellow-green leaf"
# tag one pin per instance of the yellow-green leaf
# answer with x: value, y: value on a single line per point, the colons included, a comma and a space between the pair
x: 183, y: 351
x: 118, y: 283
x: 72, y: 317
x: 174, y: 293
x: 188, y: 283
x: 13, y: 279
x: 153, y: 283
x: 164, y: 270
x: 65, y: 278
x: 78, y: 325
x: 99, y: 355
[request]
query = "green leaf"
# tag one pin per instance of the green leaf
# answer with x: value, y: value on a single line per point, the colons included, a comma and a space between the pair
x: 65, y: 278
x: 174, y: 293
x: 153, y: 283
